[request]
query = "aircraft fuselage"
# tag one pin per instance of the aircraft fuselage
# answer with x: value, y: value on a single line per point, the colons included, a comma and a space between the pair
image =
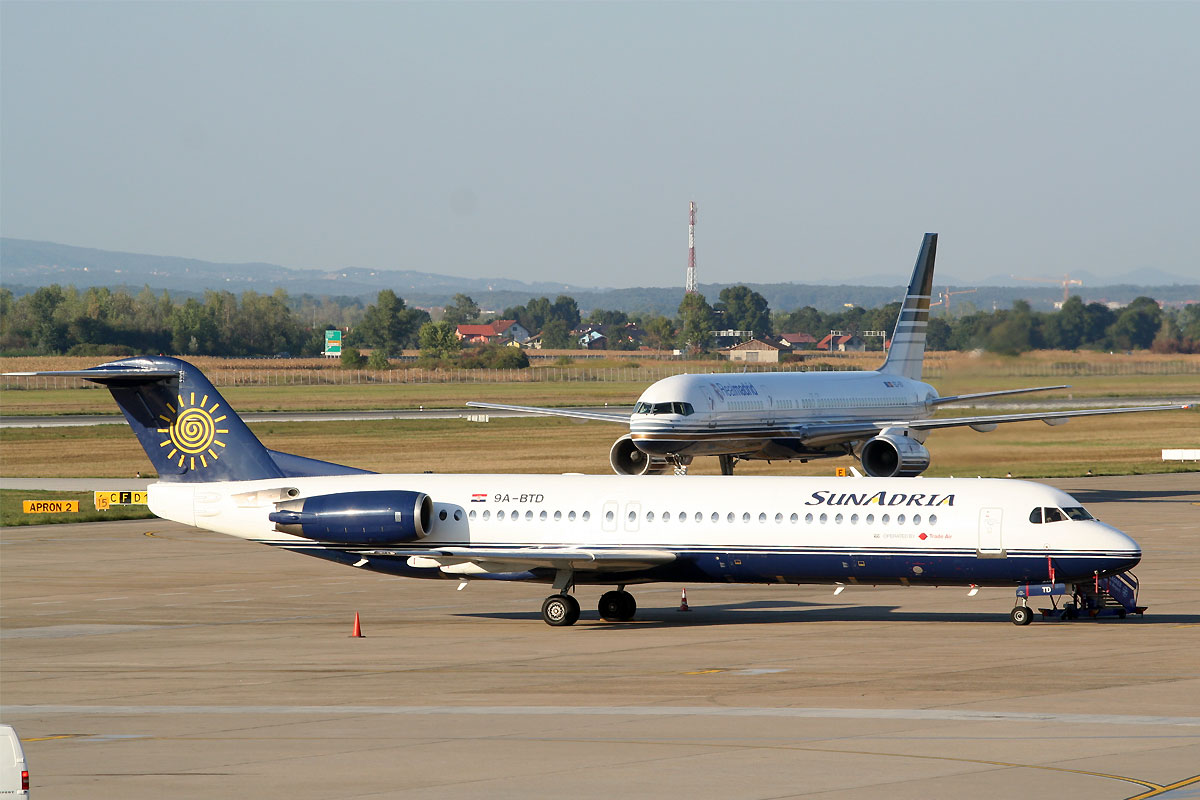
x: 714, y: 529
x: 763, y: 415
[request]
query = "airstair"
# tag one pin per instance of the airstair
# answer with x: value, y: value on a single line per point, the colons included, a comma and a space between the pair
x: 1114, y: 595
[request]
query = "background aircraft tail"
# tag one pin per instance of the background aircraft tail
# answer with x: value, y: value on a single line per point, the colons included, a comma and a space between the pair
x: 907, y: 354
x: 187, y: 429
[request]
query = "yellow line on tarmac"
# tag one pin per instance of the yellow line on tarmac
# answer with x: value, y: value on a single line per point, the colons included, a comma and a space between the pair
x: 1159, y: 790
x: 1154, y: 787
x: 51, y: 738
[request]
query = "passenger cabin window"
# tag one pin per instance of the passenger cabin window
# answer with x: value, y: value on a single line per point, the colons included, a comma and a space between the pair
x: 683, y: 409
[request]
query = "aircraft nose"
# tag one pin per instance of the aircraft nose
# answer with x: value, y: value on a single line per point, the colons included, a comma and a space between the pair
x: 1119, y: 540
x: 1121, y: 545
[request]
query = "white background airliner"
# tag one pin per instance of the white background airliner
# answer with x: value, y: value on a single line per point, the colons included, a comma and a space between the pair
x: 575, y: 530
x: 882, y: 417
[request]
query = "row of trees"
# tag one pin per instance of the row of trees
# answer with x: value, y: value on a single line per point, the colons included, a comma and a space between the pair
x: 97, y: 321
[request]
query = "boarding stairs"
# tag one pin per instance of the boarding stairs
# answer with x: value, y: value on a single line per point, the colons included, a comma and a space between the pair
x: 1114, y: 595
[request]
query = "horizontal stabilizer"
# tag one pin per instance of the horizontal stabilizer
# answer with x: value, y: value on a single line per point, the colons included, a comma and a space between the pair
x: 188, y: 430
x: 107, y: 374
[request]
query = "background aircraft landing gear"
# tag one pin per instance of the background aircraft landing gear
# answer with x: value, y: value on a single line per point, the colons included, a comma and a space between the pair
x: 726, y: 464
x: 1021, y: 615
x: 560, y: 610
x: 618, y: 606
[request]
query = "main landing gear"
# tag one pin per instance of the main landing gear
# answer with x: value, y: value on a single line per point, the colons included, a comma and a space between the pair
x: 560, y: 610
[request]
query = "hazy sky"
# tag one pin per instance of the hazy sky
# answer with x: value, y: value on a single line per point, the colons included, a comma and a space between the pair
x: 563, y: 141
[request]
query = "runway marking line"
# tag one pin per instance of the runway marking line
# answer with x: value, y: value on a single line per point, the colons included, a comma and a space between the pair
x: 1155, y: 789
x: 1159, y: 790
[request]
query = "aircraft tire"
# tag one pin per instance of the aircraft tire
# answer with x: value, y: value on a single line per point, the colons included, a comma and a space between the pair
x: 617, y: 606
x: 560, y: 610
x: 1021, y: 615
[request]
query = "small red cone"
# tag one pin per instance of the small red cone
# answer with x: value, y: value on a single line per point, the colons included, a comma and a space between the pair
x: 357, y: 632
x: 683, y: 606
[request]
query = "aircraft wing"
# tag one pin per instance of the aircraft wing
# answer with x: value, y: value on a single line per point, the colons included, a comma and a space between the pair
x: 818, y: 435
x: 987, y: 423
x: 958, y: 398
x: 598, y: 416
x: 512, y: 559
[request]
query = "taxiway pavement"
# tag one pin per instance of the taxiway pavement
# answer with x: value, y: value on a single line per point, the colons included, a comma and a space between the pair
x: 147, y: 659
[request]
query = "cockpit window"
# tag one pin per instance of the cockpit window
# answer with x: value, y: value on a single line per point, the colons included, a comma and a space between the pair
x: 1035, y: 516
x: 1054, y: 515
x: 1077, y: 513
x: 683, y: 409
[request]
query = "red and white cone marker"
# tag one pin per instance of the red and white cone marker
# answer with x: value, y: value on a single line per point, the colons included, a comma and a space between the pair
x: 683, y: 606
x: 357, y: 632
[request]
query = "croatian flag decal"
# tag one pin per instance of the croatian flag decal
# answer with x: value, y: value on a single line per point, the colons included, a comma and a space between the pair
x: 479, y: 498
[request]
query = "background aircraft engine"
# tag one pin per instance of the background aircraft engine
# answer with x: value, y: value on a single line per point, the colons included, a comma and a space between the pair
x: 893, y: 454
x: 357, y: 517
x: 626, y: 459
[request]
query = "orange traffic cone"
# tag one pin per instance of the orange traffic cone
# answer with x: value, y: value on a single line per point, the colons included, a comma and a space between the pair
x: 357, y: 632
x: 683, y: 606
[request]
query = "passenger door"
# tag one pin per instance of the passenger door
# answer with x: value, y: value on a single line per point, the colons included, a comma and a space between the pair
x: 991, y: 541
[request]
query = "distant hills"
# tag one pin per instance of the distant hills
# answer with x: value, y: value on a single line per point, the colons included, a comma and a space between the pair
x: 26, y: 265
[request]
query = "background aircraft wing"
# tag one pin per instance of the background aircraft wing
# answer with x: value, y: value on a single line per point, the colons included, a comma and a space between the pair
x: 512, y: 559
x: 598, y: 416
x: 822, y: 435
x: 987, y: 423
x: 956, y: 398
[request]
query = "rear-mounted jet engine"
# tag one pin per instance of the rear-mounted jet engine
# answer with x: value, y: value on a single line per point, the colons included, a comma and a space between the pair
x: 374, y: 518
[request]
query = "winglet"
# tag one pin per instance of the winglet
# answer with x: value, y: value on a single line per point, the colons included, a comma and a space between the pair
x: 907, y: 354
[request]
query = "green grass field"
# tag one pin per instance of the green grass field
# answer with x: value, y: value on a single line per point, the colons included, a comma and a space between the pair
x: 1140, y: 375
x: 1113, y: 445
x: 1104, y: 445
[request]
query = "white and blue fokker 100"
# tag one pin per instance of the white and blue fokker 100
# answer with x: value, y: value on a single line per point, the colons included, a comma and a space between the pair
x: 574, y: 530
x: 881, y: 416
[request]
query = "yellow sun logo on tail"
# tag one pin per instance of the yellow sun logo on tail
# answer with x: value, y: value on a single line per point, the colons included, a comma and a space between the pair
x: 192, y: 435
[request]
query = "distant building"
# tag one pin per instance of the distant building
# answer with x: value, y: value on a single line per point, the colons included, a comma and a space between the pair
x: 500, y: 330
x: 511, y: 329
x: 755, y: 350
x: 592, y: 339
x: 845, y: 343
x: 797, y: 341
x: 476, y: 334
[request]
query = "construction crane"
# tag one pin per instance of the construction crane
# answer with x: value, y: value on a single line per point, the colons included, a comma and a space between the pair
x: 1066, y: 281
x: 946, y: 295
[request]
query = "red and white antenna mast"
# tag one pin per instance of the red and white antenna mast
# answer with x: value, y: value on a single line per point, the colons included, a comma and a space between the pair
x: 690, y: 286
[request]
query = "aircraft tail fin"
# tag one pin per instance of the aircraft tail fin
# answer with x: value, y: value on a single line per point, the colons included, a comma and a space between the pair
x: 907, y: 354
x: 187, y: 428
